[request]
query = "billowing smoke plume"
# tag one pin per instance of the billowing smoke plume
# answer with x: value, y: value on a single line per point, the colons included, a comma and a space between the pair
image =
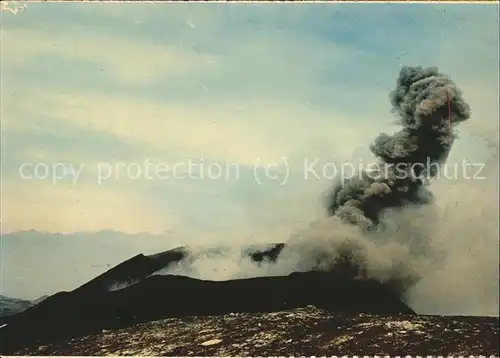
x: 384, y: 223
x: 428, y: 104
x: 382, y: 219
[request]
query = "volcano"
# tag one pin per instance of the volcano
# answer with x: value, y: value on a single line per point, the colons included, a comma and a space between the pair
x: 147, y: 296
x: 335, y: 277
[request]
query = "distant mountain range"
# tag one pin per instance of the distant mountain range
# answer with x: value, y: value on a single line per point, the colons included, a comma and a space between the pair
x: 11, y: 306
x: 83, y: 255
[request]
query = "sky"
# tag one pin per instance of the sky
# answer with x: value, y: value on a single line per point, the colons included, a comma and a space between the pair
x: 103, y: 94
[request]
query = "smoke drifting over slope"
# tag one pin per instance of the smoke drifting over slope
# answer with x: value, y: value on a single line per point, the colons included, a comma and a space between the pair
x: 468, y: 280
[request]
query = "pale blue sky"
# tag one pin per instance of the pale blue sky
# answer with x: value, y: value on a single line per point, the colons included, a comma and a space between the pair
x: 84, y: 83
x: 87, y: 83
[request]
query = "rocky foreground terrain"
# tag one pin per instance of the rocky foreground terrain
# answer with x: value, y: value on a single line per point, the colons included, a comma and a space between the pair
x: 299, y: 332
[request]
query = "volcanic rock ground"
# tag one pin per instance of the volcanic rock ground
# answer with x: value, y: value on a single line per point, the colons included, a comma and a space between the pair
x: 299, y: 332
